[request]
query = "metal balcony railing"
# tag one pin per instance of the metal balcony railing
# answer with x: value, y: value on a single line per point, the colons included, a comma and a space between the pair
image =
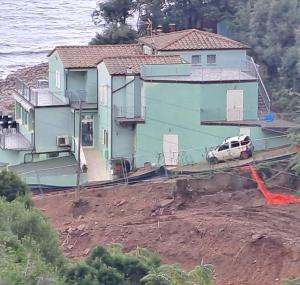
x: 37, y: 94
x: 128, y: 114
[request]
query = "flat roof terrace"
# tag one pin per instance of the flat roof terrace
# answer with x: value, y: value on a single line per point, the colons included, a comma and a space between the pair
x: 37, y: 95
x: 212, y: 74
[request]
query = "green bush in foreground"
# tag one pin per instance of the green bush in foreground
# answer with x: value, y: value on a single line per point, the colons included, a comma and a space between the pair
x: 111, y: 266
x: 11, y: 186
x: 29, y: 249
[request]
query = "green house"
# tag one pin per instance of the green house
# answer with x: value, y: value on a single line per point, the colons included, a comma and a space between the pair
x: 165, y: 100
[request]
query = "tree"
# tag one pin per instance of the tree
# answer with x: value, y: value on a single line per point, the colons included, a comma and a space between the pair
x: 113, y: 15
x: 115, y: 34
x: 11, y: 186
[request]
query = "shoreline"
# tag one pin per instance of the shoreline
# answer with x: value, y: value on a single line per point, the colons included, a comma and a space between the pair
x: 28, y: 75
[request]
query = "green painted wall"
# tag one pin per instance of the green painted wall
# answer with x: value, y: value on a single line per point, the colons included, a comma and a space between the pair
x: 174, y: 108
x: 51, y: 122
x: 213, y: 100
x: 104, y: 112
x: 76, y: 84
x: 224, y: 58
x: 64, y: 180
x: 55, y: 63
x: 12, y: 157
x: 165, y: 70
x: 82, y: 83
x: 91, y: 86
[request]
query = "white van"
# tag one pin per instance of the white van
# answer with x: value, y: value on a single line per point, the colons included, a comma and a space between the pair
x: 235, y: 147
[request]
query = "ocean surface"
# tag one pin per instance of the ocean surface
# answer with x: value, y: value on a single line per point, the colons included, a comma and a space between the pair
x: 29, y: 29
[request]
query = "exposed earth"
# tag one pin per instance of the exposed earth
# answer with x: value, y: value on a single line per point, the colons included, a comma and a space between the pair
x: 221, y: 219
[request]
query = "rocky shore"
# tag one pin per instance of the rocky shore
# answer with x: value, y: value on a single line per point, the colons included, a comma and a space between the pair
x: 7, y: 86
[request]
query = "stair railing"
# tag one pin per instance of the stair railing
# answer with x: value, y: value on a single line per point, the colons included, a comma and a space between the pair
x: 261, y: 88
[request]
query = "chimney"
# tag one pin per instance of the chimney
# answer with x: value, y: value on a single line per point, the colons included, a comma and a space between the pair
x: 172, y: 27
x: 129, y: 70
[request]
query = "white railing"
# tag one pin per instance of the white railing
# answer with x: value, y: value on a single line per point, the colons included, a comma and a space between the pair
x: 128, y: 112
x: 83, y: 162
x: 15, y: 141
x: 261, y: 87
x: 37, y: 94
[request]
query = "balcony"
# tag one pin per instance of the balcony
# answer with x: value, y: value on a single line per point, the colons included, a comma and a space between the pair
x: 37, y: 94
x: 128, y: 115
x: 277, y: 122
x: 15, y: 141
x: 230, y: 117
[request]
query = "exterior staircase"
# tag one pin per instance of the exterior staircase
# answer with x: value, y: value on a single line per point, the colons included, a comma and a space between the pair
x: 264, y: 101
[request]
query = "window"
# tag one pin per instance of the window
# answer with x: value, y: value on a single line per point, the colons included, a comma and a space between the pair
x: 104, y: 94
x: 18, y: 111
x: 105, y: 138
x: 224, y: 147
x: 30, y: 121
x: 196, y: 59
x: 57, y: 78
x: 235, y: 144
x: 211, y: 59
x: 24, y: 117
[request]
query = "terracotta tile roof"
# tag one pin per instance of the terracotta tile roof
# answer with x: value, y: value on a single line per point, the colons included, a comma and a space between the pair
x: 90, y: 56
x: 190, y: 40
x: 119, y: 65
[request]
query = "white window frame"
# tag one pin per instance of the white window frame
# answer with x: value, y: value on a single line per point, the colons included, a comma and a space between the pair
x: 198, y: 56
x: 104, y: 89
x: 211, y: 56
x: 105, y: 137
x: 25, y: 117
x: 57, y: 79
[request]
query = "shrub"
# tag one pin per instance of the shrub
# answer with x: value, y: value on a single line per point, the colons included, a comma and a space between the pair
x: 11, y: 186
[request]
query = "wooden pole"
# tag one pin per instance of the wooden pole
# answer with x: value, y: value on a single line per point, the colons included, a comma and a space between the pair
x: 77, y: 191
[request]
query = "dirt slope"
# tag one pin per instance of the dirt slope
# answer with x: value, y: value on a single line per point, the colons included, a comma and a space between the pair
x: 247, y: 241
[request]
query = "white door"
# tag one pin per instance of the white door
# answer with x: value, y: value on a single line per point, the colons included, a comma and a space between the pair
x: 235, y: 105
x: 170, y: 149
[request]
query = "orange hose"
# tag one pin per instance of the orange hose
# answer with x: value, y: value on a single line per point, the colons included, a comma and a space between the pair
x: 272, y: 199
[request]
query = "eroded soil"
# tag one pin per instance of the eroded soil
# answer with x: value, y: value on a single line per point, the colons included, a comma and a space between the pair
x: 222, y: 220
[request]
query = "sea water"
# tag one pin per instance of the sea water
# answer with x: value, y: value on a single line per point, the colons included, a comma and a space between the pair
x: 29, y: 29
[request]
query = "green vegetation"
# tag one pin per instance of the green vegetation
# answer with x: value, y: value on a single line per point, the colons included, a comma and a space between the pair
x: 111, y: 266
x: 29, y: 249
x: 270, y: 28
x: 11, y: 186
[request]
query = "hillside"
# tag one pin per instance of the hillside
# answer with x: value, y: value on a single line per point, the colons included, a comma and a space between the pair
x: 247, y: 241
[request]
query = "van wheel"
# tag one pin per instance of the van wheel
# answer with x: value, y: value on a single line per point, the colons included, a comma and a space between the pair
x: 244, y: 155
x: 214, y: 160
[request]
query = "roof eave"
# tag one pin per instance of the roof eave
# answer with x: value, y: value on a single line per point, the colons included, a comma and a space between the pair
x: 164, y: 49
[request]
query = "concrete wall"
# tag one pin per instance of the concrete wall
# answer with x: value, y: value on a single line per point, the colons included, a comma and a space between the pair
x: 82, y: 83
x: 76, y: 84
x: 174, y: 108
x: 224, y: 58
x: 12, y: 157
x: 213, y: 100
x: 51, y: 122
